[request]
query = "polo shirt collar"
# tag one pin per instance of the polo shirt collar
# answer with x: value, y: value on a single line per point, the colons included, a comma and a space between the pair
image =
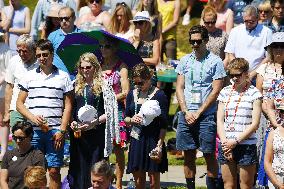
x: 253, y: 31
x: 54, y: 69
x: 75, y: 30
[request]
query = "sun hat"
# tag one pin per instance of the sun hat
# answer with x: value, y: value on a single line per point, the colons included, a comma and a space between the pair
x: 277, y: 37
x: 149, y: 111
x: 87, y: 113
x: 54, y: 10
x: 142, y: 16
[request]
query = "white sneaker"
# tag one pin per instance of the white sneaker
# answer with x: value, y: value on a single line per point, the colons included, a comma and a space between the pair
x: 186, y: 19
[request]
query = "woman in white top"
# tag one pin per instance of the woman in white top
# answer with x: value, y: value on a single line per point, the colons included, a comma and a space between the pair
x: 120, y: 21
x: 238, y: 117
x: 16, y: 20
x: 96, y: 18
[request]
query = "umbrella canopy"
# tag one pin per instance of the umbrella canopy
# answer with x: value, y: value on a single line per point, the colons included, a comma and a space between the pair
x: 75, y: 44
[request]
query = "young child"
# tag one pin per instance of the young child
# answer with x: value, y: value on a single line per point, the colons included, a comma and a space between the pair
x: 35, y: 177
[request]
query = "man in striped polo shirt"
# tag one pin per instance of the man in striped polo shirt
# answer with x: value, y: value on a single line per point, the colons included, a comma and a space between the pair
x: 45, y: 100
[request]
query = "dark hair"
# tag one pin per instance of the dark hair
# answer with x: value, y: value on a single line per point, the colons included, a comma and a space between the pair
x: 50, y: 27
x: 142, y: 71
x: 199, y: 29
x: 44, y: 44
x: 24, y: 126
x: 272, y: 2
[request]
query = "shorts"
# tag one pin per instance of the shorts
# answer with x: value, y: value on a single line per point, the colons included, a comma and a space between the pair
x: 45, y: 143
x: 200, y: 135
x: 243, y: 154
x: 15, y: 117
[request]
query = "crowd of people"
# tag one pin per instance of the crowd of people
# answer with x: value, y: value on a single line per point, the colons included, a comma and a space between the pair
x: 229, y: 90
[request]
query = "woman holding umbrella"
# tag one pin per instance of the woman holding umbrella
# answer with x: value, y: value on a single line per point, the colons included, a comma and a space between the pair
x: 115, y: 71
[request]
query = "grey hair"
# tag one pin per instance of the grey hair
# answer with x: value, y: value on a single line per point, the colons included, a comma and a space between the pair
x: 251, y: 10
x: 26, y: 39
x: 102, y: 168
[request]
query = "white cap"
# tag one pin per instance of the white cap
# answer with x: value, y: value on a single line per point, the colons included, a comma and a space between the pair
x: 87, y: 113
x: 142, y: 16
x: 277, y: 37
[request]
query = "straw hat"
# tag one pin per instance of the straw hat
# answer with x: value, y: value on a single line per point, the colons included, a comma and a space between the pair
x: 54, y: 9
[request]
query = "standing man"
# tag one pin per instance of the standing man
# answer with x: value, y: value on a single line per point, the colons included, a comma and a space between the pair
x: 199, y: 81
x: 248, y: 40
x: 18, y: 66
x: 276, y: 24
x: 41, y: 12
x: 45, y: 100
x: 67, y: 18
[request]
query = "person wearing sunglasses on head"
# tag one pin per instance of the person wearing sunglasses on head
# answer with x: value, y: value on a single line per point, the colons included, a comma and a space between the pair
x: 66, y: 17
x: 16, y: 161
x: 238, y: 116
x: 15, y: 21
x: 97, y: 18
x: 248, y: 41
x: 276, y: 23
x: 111, y: 4
x: 45, y: 100
x: 41, y: 11
x: 199, y: 81
x: 120, y: 21
x: 18, y: 67
x: 115, y: 71
x: 267, y: 74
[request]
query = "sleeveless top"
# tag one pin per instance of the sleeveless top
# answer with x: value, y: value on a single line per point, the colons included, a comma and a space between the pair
x: 113, y: 78
x: 278, y: 149
x: 18, y: 21
x: 167, y: 11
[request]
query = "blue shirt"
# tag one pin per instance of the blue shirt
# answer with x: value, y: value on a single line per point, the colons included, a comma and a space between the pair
x: 270, y: 25
x: 41, y: 11
x: 56, y: 38
x: 204, y: 73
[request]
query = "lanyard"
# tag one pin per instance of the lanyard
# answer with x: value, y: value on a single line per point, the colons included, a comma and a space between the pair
x: 85, y: 95
x: 201, y: 70
x: 237, y: 106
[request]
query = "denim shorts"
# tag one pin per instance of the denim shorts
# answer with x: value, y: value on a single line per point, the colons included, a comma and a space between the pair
x: 200, y: 135
x: 45, y: 143
x: 243, y: 154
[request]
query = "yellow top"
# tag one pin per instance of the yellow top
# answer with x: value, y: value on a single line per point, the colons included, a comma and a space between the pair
x: 167, y: 11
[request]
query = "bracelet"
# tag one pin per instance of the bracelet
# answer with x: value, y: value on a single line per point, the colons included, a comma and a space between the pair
x: 62, y: 131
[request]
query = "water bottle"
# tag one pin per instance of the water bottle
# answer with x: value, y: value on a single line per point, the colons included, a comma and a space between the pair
x: 131, y: 184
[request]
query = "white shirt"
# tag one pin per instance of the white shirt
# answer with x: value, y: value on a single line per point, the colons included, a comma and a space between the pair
x: 5, y: 55
x: 14, y: 73
x: 249, y: 45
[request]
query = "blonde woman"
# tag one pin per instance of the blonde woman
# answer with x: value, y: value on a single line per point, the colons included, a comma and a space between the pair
x: 265, y: 12
x: 120, y: 21
x: 87, y: 148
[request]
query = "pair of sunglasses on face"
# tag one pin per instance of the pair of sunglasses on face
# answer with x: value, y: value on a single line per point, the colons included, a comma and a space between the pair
x: 18, y: 138
x: 193, y: 42
x: 97, y: 1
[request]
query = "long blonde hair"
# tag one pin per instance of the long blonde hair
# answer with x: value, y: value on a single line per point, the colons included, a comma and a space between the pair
x: 97, y: 78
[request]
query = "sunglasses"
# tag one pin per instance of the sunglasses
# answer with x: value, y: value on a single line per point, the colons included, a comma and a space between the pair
x: 198, y: 41
x: 249, y: 21
x: 236, y: 75
x: 22, y: 51
x: 108, y: 46
x: 97, y: 1
x: 44, y: 55
x: 122, y: 3
x: 86, y: 67
x: 66, y: 18
x: 20, y: 138
x: 140, y: 83
x: 264, y: 11
x: 139, y: 23
x: 210, y: 22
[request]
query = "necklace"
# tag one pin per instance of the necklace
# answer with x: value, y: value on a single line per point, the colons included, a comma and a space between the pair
x: 231, y: 125
x: 138, y: 94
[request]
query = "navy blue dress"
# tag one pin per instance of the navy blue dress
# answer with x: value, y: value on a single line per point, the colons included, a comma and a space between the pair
x: 89, y: 148
x: 138, y: 155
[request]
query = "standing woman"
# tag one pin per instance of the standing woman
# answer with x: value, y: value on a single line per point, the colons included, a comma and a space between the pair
x: 144, y: 139
x: 170, y: 11
x: 116, y: 73
x: 87, y: 140
x: 266, y: 73
x: 238, y: 117
x: 16, y: 20
x: 120, y: 21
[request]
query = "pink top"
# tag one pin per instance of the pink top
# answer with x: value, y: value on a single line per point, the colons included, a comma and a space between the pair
x: 222, y: 20
x: 114, y: 78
